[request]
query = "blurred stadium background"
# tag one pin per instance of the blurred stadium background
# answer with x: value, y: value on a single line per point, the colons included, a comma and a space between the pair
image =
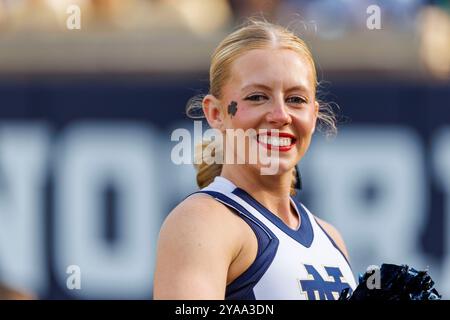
x: 86, y: 117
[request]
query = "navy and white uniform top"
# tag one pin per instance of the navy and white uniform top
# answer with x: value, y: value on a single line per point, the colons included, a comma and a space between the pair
x: 290, y: 264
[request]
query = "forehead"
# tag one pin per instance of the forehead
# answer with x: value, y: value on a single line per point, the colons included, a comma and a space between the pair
x: 272, y: 67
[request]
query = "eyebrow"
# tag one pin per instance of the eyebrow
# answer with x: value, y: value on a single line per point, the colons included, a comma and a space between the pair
x: 265, y: 87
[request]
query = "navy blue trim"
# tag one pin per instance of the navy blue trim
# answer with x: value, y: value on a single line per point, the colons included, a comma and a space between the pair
x: 242, y: 287
x: 239, y: 208
x: 334, y: 243
x: 304, y: 235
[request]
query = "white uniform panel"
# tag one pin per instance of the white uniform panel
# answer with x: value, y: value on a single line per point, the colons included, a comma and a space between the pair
x: 309, y: 270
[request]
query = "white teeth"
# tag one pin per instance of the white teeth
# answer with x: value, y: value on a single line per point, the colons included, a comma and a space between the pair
x: 263, y: 139
x: 275, y: 141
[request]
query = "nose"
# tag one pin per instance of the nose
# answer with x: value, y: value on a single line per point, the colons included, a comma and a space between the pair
x: 279, y: 114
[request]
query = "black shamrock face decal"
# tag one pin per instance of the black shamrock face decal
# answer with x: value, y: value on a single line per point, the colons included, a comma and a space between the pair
x: 232, y: 108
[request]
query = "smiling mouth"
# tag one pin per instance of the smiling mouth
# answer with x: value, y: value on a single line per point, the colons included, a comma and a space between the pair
x: 281, y: 142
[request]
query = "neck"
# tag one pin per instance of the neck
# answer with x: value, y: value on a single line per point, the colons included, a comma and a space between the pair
x: 272, y: 191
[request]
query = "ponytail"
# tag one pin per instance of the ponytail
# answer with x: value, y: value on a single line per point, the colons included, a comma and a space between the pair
x: 294, y: 181
x: 206, y: 170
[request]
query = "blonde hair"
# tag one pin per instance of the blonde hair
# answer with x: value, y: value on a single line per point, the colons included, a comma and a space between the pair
x: 256, y: 34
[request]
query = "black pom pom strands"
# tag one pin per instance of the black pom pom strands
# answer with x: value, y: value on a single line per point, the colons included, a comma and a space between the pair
x: 397, y: 283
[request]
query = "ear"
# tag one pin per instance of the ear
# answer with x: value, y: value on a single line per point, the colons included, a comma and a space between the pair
x: 213, y: 111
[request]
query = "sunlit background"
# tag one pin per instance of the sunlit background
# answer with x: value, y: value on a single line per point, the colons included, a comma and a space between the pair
x: 86, y: 117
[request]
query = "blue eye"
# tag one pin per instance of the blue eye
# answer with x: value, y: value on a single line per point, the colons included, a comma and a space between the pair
x: 295, y: 99
x: 256, y: 97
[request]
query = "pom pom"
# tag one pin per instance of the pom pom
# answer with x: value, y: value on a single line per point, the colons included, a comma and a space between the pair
x: 396, y: 283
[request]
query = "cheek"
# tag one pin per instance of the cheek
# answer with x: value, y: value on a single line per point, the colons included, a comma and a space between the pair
x: 305, y: 123
x: 244, y: 117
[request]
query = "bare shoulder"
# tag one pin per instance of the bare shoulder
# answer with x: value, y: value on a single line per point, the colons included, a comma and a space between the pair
x: 334, y: 234
x: 198, y: 212
x: 197, y: 243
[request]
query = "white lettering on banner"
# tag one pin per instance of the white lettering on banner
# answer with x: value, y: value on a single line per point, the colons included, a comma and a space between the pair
x: 381, y: 225
x: 90, y: 157
x: 441, y: 164
x: 387, y: 160
x: 23, y: 169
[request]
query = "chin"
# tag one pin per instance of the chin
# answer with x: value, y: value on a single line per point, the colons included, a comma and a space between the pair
x: 283, y: 166
x: 286, y: 166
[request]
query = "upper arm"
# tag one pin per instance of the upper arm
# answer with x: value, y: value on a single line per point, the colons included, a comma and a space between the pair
x: 194, y: 252
x: 335, y: 235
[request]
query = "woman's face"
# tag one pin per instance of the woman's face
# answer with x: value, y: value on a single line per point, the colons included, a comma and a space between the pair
x: 272, y: 89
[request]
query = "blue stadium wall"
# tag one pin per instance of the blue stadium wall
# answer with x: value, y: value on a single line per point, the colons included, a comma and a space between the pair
x: 86, y: 178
